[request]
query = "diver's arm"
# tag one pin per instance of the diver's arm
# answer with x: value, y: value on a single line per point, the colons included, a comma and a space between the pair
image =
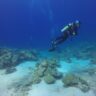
x: 74, y: 33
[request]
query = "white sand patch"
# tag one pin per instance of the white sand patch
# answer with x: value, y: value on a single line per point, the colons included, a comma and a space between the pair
x: 22, y: 70
x: 57, y: 89
x: 7, y: 79
x: 75, y: 65
x: 6, y: 92
x: 2, y: 72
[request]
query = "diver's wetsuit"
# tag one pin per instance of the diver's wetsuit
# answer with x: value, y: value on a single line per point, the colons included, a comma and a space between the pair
x: 61, y: 38
x: 70, y: 31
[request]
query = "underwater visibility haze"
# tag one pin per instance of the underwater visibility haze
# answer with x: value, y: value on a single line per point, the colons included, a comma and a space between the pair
x: 34, y: 23
x: 28, y: 66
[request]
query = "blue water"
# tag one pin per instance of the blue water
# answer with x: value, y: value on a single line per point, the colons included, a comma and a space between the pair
x: 33, y: 23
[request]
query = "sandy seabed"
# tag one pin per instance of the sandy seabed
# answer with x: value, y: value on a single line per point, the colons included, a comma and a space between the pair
x: 42, y: 89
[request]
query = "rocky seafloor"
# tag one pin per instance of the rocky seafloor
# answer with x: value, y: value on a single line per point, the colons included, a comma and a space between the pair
x: 70, y: 72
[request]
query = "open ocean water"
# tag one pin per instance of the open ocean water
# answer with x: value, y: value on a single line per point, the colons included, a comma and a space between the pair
x: 27, y: 68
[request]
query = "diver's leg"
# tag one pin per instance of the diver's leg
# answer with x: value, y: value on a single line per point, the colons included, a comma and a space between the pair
x: 57, y: 41
x: 60, y: 39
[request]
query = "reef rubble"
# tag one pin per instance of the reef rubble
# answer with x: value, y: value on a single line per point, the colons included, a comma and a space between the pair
x: 10, y: 58
x: 46, y: 74
x: 47, y: 71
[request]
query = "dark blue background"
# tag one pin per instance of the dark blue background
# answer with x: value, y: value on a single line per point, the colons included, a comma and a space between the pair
x: 33, y: 23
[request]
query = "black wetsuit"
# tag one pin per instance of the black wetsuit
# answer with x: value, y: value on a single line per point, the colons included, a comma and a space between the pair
x: 64, y: 36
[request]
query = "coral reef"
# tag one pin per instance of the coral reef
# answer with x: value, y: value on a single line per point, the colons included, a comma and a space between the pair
x: 91, y: 71
x: 46, y: 70
x: 79, y: 52
x: 10, y: 70
x: 49, y: 79
x: 73, y: 80
x: 13, y: 57
x: 70, y: 80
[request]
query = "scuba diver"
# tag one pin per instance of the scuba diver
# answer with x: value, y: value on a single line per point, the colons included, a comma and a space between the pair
x: 69, y: 30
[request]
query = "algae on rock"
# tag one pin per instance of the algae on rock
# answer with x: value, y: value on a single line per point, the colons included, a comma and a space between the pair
x: 47, y: 70
x: 49, y: 79
x: 75, y: 81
